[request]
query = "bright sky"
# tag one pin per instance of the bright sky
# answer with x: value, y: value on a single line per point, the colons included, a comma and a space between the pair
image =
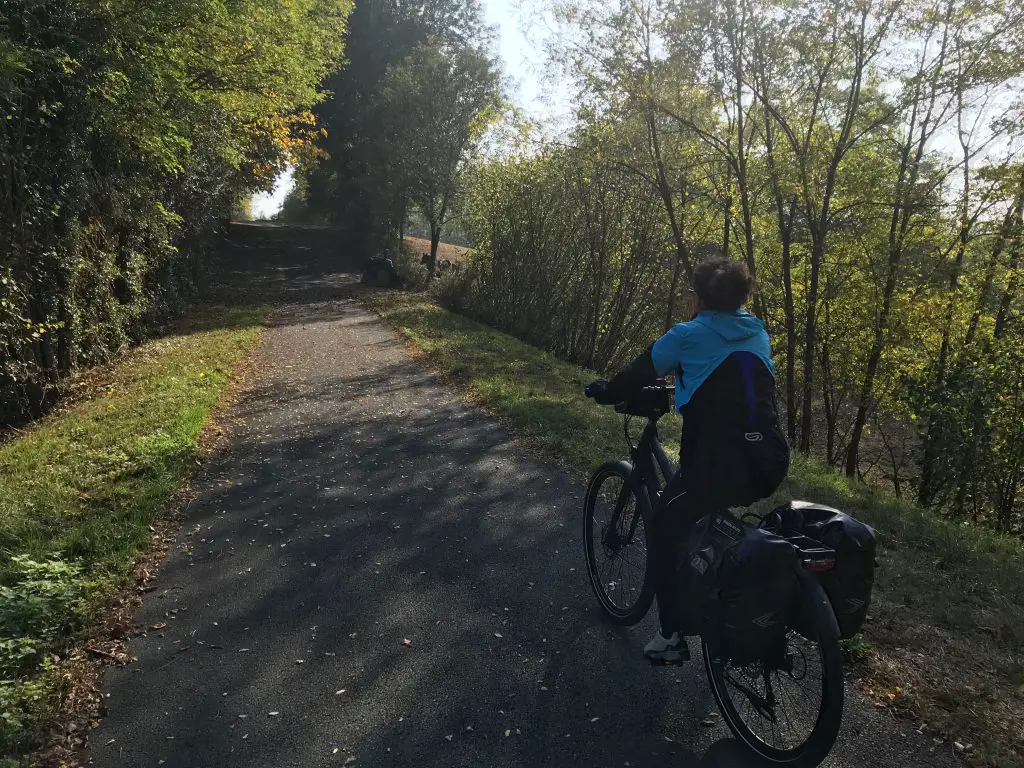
x: 520, y: 48
x: 520, y: 41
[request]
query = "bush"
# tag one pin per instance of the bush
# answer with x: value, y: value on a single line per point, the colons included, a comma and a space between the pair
x: 45, y: 601
x: 123, y: 150
x: 414, y: 274
x: 44, y: 604
x: 453, y: 290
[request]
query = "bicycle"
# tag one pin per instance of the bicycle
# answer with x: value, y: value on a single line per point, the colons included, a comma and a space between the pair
x: 757, y: 714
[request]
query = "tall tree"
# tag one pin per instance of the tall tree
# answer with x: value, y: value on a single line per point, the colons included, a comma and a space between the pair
x: 446, y: 99
x: 359, y: 186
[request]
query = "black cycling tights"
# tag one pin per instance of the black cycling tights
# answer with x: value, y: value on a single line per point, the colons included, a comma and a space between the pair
x: 674, y: 516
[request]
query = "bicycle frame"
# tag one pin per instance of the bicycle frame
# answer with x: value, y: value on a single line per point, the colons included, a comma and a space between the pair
x: 648, y: 458
x: 644, y: 478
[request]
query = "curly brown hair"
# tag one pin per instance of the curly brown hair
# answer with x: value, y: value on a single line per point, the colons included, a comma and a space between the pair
x: 722, y: 284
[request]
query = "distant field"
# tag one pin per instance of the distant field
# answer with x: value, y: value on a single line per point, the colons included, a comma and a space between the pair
x: 417, y: 246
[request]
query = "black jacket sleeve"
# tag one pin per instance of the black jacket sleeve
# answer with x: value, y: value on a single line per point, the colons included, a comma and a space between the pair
x: 639, y: 373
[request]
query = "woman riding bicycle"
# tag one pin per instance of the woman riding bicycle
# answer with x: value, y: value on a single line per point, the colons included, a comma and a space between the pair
x: 733, y: 451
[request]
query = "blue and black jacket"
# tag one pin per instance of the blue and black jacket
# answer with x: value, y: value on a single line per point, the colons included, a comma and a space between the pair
x: 733, y: 451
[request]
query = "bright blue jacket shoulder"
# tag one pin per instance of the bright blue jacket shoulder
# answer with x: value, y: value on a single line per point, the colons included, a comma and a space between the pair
x: 694, y: 349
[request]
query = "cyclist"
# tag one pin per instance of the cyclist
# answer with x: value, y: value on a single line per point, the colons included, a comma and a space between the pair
x: 733, y: 451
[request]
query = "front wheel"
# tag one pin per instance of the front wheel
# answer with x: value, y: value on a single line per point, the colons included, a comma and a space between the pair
x: 787, y: 710
x: 615, y: 538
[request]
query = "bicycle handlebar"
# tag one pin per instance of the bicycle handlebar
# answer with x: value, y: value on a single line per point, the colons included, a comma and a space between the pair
x: 652, y: 401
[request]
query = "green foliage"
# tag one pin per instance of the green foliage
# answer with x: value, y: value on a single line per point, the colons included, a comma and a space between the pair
x: 128, y: 132
x: 40, y: 605
x: 875, y: 194
x: 402, y: 116
x: 40, y: 601
x: 80, y: 491
x: 23, y: 704
x: 446, y: 100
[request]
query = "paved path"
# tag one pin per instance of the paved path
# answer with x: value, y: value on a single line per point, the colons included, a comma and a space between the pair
x: 362, y: 504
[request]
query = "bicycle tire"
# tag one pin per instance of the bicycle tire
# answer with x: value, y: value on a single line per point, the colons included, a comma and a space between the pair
x: 631, y: 612
x: 820, y: 620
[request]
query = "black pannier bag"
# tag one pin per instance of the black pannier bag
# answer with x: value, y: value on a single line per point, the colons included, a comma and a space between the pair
x: 743, y: 587
x: 849, y: 584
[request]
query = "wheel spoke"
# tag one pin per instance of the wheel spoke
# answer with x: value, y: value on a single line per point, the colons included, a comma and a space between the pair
x: 618, y: 565
x: 797, y: 696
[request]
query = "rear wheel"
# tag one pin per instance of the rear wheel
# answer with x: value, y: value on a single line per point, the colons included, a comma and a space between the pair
x: 788, y: 710
x: 615, y: 537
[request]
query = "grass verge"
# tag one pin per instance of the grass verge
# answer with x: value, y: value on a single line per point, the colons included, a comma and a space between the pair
x: 80, y: 492
x: 944, y: 642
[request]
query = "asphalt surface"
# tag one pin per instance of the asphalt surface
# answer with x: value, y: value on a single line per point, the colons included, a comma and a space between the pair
x: 374, y: 573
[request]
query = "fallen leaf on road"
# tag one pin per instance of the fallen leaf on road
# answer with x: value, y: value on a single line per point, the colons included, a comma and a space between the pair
x: 449, y: 737
x: 508, y: 732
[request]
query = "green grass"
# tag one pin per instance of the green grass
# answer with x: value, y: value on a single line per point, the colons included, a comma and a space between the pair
x: 80, y: 489
x: 947, y: 624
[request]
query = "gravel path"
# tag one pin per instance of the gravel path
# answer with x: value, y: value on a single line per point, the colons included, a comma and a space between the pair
x: 375, y: 574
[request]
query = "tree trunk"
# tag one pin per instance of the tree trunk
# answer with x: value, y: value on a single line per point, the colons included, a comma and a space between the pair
x: 435, y: 238
x: 682, y: 252
x: 785, y: 226
x: 810, y: 338
x: 677, y: 273
x: 1014, y: 238
x: 831, y: 409
x: 726, y: 225
x: 874, y: 358
x: 926, y: 492
x: 786, y: 232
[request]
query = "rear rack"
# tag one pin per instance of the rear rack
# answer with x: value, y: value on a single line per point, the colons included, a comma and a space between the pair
x: 814, y: 556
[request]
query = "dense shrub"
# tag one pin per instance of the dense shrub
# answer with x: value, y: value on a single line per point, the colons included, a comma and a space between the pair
x: 128, y: 132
